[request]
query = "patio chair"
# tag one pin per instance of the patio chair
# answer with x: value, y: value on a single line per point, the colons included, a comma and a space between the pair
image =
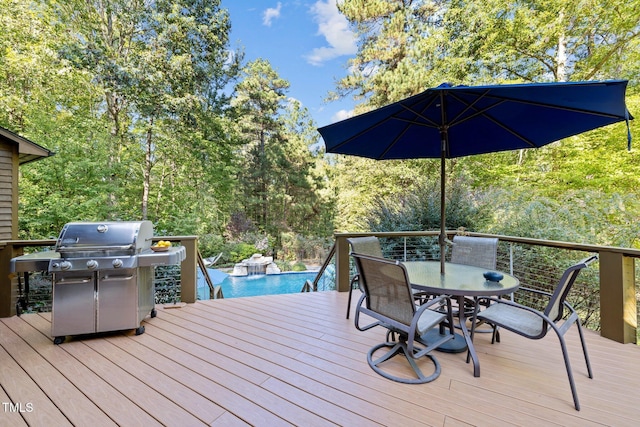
x: 534, y: 324
x: 478, y: 252
x: 387, y: 298
x: 369, y: 245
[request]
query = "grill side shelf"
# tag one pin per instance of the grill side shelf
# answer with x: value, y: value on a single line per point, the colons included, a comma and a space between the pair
x: 37, y: 261
x: 175, y: 255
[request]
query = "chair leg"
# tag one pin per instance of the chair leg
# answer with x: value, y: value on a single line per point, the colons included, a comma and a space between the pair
x: 400, y: 348
x: 349, y: 301
x: 353, y: 281
x: 584, y: 349
x: 567, y: 365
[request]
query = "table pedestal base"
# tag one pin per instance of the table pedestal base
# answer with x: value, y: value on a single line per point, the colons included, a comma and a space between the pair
x: 456, y: 345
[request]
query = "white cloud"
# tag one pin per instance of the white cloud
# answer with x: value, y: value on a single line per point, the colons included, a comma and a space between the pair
x: 341, y: 115
x: 270, y: 14
x: 334, y: 27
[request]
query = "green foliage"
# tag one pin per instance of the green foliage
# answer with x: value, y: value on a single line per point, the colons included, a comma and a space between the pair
x: 299, y: 266
x: 419, y: 209
x: 136, y: 108
x: 584, y: 217
x: 405, y: 47
x: 240, y: 251
x: 573, y: 189
x: 211, y: 245
x: 296, y: 247
x: 283, y: 265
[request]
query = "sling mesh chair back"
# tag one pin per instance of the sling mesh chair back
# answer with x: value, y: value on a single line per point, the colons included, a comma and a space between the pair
x: 369, y: 245
x: 387, y: 298
x: 535, y: 324
x: 476, y: 251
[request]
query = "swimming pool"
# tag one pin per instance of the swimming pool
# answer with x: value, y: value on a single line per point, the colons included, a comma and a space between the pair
x: 246, y: 286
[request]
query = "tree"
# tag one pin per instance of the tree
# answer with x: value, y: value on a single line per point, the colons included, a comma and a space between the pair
x: 163, y: 68
x: 44, y: 98
x: 306, y: 206
x: 399, y: 50
x: 132, y: 97
x: 409, y: 45
x: 546, y: 40
x: 180, y: 68
x: 259, y: 100
x: 406, y: 46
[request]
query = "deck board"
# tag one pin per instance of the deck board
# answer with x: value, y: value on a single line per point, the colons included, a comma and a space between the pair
x: 295, y: 360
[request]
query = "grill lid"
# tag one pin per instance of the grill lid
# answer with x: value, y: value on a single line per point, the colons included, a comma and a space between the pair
x: 87, y: 238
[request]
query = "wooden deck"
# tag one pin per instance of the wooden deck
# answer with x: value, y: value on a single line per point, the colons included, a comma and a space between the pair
x: 295, y: 360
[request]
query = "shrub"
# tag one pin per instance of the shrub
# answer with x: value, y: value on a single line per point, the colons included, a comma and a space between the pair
x: 299, y: 266
x: 283, y: 265
x: 239, y: 251
x: 211, y: 245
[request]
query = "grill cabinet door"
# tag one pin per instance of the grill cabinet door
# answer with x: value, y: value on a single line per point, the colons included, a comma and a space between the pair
x: 117, y: 300
x: 74, y: 304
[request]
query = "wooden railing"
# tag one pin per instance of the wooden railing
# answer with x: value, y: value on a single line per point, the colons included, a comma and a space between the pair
x: 618, y: 307
x: 617, y: 289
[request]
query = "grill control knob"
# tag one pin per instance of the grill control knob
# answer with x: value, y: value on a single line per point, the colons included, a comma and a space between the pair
x: 117, y: 263
x: 92, y: 264
x: 65, y: 265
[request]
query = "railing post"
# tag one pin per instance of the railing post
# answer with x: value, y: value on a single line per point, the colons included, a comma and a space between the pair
x: 618, y: 315
x: 8, y: 285
x: 188, y: 273
x: 342, y: 264
x: 404, y: 255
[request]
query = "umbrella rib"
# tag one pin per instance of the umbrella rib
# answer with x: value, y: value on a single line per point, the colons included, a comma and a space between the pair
x: 357, y: 135
x: 501, y: 100
x: 429, y: 122
x: 476, y: 112
x: 393, y: 142
x: 546, y: 105
x: 483, y: 112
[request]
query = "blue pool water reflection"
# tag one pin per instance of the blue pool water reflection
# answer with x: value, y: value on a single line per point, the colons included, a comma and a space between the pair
x: 245, y: 286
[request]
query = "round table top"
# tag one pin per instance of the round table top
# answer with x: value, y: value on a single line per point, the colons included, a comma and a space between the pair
x: 458, y: 279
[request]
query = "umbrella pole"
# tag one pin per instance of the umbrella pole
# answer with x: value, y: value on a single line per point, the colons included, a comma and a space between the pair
x: 443, y: 235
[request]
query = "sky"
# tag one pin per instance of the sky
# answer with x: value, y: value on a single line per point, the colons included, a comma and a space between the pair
x: 307, y: 42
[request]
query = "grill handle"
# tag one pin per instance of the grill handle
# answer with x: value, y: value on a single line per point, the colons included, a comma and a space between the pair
x: 115, y: 278
x: 74, y: 281
x: 92, y: 248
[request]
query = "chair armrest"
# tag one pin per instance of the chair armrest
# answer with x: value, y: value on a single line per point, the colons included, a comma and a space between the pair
x: 535, y: 291
x: 530, y: 290
x: 354, y: 279
x: 543, y: 317
x: 359, y: 308
x: 448, y: 316
x: 437, y: 300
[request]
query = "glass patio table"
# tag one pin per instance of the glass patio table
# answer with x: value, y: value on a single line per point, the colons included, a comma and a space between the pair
x: 459, y: 281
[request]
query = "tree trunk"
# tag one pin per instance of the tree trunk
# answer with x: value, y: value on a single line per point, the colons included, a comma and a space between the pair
x: 147, y: 171
x: 561, y: 56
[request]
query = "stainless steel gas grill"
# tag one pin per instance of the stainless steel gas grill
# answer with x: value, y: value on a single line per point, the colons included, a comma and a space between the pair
x: 102, y: 276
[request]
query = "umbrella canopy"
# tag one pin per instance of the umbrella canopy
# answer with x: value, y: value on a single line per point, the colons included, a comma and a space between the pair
x: 447, y: 122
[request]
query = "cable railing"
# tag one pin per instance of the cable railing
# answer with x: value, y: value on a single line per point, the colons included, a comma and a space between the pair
x: 605, y: 294
x: 536, y: 263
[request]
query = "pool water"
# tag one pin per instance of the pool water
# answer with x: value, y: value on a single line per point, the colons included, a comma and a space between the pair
x: 273, y: 284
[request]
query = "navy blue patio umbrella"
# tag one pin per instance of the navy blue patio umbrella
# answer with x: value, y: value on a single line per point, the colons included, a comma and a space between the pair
x: 455, y: 121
